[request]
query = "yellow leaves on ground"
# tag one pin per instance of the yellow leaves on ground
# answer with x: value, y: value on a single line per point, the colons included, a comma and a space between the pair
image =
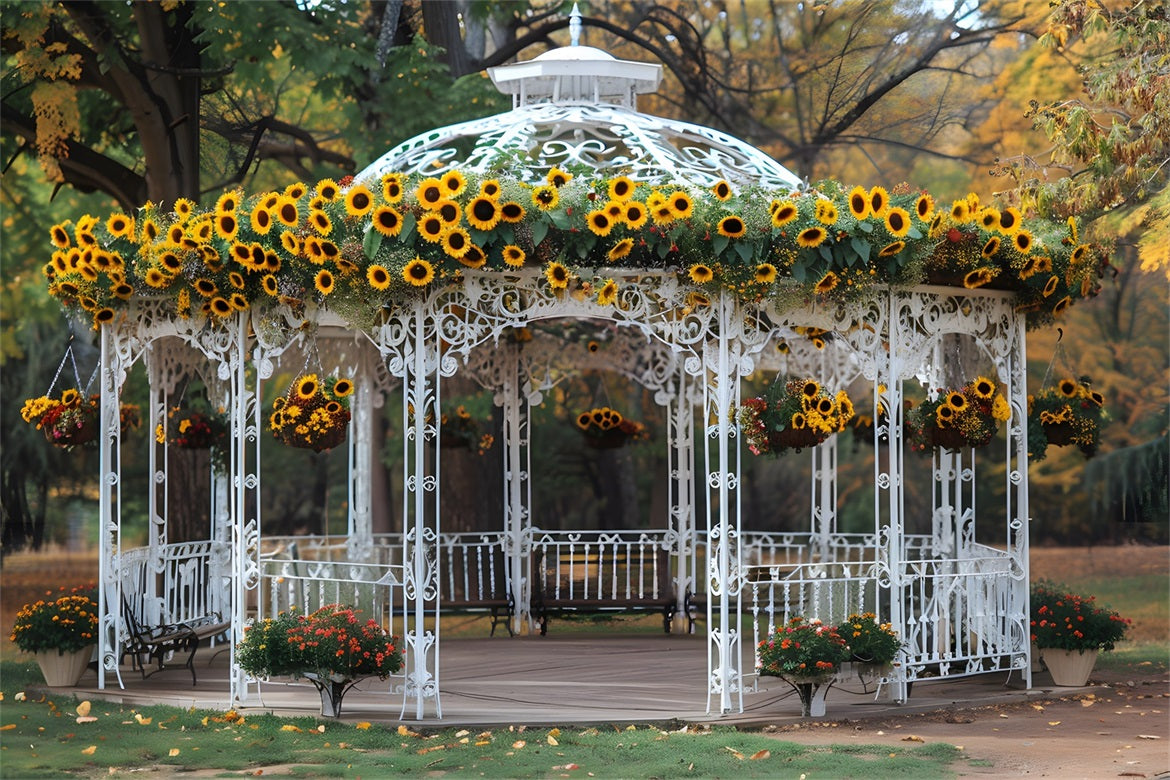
x: 290, y: 727
x: 759, y: 755
x: 403, y: 731
x: 84, y: 707
x: 173, y: 752
x: 89, y: 751
x: 142, y: 719
x: 7, y: 727
x: 362, y: 726
x: 913, y: 738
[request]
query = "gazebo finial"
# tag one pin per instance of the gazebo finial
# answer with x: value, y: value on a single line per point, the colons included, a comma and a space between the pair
x: 575, y: 26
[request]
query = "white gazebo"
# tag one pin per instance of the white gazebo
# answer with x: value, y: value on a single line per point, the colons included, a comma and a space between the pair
x: 958, y: 599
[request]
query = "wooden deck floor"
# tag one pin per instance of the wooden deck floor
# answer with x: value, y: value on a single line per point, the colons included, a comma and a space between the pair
x: 557, y: 680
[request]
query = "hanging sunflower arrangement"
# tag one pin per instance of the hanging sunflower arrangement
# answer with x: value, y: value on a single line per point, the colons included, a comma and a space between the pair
x: 968, y: 416
x: 1070, y: 413
x: 792, y: 415
x: 462, y: 430
x: 71, y: 419
x: 314, y: 413
x: 606, y: 429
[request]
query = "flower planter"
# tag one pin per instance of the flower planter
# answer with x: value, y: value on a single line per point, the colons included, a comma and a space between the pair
x: 63, y: 669
x: 72, y: 435
x: 1069, y: 668
x: 320, y: 442
x: 812, y: 692
x: 1059, y: 434
x: 612, y: 439
x: 794, y: 438
x: 949, y: 438
x: 332, y: 689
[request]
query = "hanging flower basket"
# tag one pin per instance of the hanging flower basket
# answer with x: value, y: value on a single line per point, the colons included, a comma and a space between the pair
x: 193, y: 430
x: 606, y: 429
x: 313, y: 414
x: 797, y: 415
x: 464, y: 431
x: 958, y: 418
x: 1070, y: 413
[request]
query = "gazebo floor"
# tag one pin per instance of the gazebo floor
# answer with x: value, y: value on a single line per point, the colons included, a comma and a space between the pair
x: 557, y: 680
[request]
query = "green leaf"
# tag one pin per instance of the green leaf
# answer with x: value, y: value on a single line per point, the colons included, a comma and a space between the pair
x: 861, y: 248
x: 406, y: 237
x: 744, y: 250
x: 539, y: 231
x: 372, y: 242
x: 865, y: 226
x: 719, y: 243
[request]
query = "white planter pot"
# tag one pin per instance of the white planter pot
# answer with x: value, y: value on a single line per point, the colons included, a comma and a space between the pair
x: 1069, y: 668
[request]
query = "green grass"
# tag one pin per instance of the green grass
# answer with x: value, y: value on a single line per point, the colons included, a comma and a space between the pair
x: 43, y: 738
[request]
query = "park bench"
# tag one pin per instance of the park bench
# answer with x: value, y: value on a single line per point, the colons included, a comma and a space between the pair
x: 474, y: 579
x: 163, y: 642
x: 601, y: 580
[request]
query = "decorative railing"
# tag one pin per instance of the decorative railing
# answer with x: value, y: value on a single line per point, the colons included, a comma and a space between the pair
x: 375, y: 590
x: 607, y: 566
x: 176, y: 583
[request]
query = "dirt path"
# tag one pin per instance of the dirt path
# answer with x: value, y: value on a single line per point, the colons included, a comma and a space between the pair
x: 1122, y: 729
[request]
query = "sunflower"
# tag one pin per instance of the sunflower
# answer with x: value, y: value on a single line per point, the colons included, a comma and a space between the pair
x: 810, y: 237
x: 296, y: 190
x: 120, y: 225
x: 238, y: 301
x: 661, y: 214
x: 170, y: 262
x: 290, y: 242
x: 545, y: 197
x: 453, y: 183
x: 991, y: 247
x: 329, y: 250
x: 783, y: 213
x: 1050, y: 286
x: 174, y: 235
x: 989, y: 218
x: 269, y: 201
x: 620, y: 250
x: 977, y: 278
x: 418, y: 272
x: 557, y: 275
x: 122, y: 291
x: 826, y: 212
x: 286, y: 211
x: 960, y: 211
x: 61, y: 239
x: 483, y: 213
x: 490, y: 188
x: 983, y: 388
x: 102, y: 316
x: 701, y: 273
x: 558, y: 178
x: 598, y: 222
x: 323, y: 281
x: 681, y: 205
x: 320, y: 222
x: 205, y: 287
x: 358, y: 201
x: 897, y: 221
x: 765, y: 273
x: 1009, y: 220
x: 608, y: 293
x: 342, y: 388
x: 1022, y: 240
x: 799, y: 422
x: 636, y: 214
x: 1096, y: 398
x: 859, y: 203
x: 826, y: 284
x: 449, y: 211
x: 226, y: 225
x: 429, y: 192
x: 475, y: 258
x: 956, y: 401
x: 621, y: 188
x: 236, y: 280
x: 924, y: 207
x: 879, y: 200
x: 378, y: 277
x: 456, y: 241
x: 944, y: 415
x: 512, y: 212
x: 514, y: 255
x: 732, y: 227
x: 431, y: 227
x: 149, y: 230
x: 269, y: 285
x: 615, y: 210
x: 307, y: 387
x: 387, y: 221
x: 1079, y: 253
x: 584, y: 420
x: 327, y: 189
x: 889, y: 250
x: 261, y: 221
x: 184, y: 207
x: 721, y: 190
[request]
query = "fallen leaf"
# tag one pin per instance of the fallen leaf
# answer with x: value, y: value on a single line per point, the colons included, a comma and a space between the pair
x: 465, y: 741
x: 83, y: 708
x: 552, y: 740
x: 1054, y: 723
x: 462, y: 733
x: 552, y: 733
x: 631, y: 727
x: 20, y: 696
x: 89, y: 751
x: 1087, y: 703
x: 173, y: 752
x: 142, y: 721
x: 734, y: 752
x: 7, y: 727
x: 321, y: 728
x: 1148, y: 736
x: 913, y: 738
x: 363, y: 726
x: 403, y: 731
x: 87, y: 719
x: 483, y: 742
x: 518, y: 744
x: 761, y: 754
x: 1038, y: 708
x: 289, y: 727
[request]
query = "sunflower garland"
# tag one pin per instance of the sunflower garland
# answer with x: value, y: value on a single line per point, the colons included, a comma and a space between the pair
x: 380, y: 241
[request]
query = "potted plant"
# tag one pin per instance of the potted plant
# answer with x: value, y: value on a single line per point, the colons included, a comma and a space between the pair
x: 71, y: 420
x: 61, y: 632
x: 192, y: 429
x: 332, y: 647
x: 807, y: 655
x: 1070, y: 630
x: 1070, y: 413
x: 798, y: 413
x: 463, y: 431
x: 968, y: 416
x: 605, y: 428
x: 314, y: 414
x: 873, y: 646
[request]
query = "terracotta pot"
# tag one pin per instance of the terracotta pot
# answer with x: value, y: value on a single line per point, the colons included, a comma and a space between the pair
x: 70, y: 436
x: 1059, y: 434
x: 62, y: 670
x: 1069, y: 668
x: 795, y: 438
x: 951, y: 438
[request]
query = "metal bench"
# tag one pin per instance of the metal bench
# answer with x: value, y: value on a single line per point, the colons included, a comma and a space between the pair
x: 160, y: 643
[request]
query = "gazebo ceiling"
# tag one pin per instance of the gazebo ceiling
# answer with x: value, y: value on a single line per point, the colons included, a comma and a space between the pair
x: 575, y: 106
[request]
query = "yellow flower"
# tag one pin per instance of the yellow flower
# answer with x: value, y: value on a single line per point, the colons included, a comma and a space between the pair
x: 721, y: 190
x: 859, y: 203
x: 811, y: 237
x: 475, y: 258
x: 1009, y: 221
x: 557, y: 275
x: 732, y: 227
x: 827, y: 282
x: 621, y: 188
x: 120, y: 225
x: 897, y: 221
x: 977, y: 278
x: 879, y: 200
x: 783, y: 213
x: 983, y: 387
x: 431, y: 227
x: 418, y: 272
x: 307, y: 387
x: 512, y: 212
x: 453, y: 183
x: 598, y: 222
x: 226, y: 225
x: 320, y: 222
x: 924, y: 207
x: 514, y: 255
x: 328, y: 189
x: 483, y: 213
x: 826, y: 212
x: 378, y: 277
x: 1000, y: 409
x: 620, y: 249
x: 765, y: 273
x: 701, y: 273
x: 387, y: 221
x: 490, y: 189
x: 681, y: 205
x: 323, y: 281
x: 456, y: 242
x: 1022, y: 240
x: 989, y: 218
x: 960, y: 211
x: 889, y: 250
x: 358, y: 201
x: 286, y: 211
x: 545, y: 197
x: 261, y: 221
x: 429, y: 192
x: 636, y: 214
x: 558, y: 178
x: 608, y: 293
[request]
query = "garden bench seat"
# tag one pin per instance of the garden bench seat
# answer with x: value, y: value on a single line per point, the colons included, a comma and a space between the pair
x: 158, y: 643
x: 602, y: 581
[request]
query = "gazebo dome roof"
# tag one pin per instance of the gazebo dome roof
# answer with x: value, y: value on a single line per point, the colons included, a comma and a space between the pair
x: 576, y: 105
